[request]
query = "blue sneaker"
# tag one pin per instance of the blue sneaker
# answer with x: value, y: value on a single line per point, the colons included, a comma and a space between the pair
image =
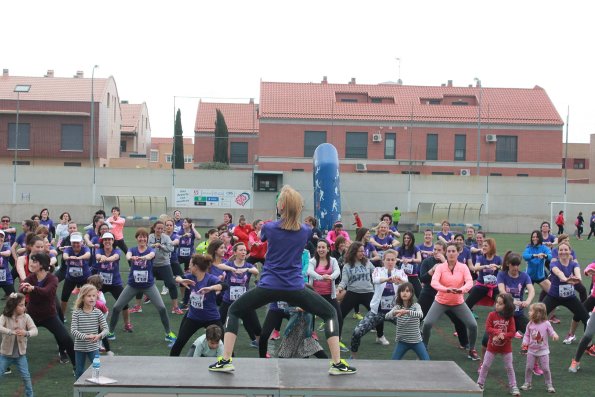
x: 111, y: 336
x: 171, y: 337
x: 254, y: 344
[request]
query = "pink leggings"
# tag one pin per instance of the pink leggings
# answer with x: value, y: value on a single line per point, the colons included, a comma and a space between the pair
x: 488, y: 359
x: 544, y: 364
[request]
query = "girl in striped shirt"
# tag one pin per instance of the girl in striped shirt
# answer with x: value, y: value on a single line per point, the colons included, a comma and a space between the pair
x: 86, y: 321
x: 408, y: 315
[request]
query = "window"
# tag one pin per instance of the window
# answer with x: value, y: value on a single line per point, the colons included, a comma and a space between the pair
x: 168, y: 158
x: 442, y: 173
x: 579, y: 164
x: 460, y: 147
x: 154, y: 156
x: 390, y: 145
x: 107, y: 102
x: 410, y: 172
x: 72, y: 137
x: 434, y: 102
x: 495, y: 174
x: 188, y: 158
x: 523, y: 175
x: 266, y: 182
x: 506, y: 148
x: 432, y: 147
x: 238, y: 152
x: 22, y: 162
x: 71, y: 164
x: 23, y: 139
x: 349, y: 100
x: 376, y: 100
x: 356, y: 145
x: 311, y: 141
x: 460, y: 103
x: 122, y: 146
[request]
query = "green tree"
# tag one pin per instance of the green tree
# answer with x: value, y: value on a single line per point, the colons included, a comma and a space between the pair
x: 220, y: 154
x: 178, y: 149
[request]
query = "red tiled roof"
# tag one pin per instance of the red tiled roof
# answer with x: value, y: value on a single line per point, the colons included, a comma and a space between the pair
x: 130, y: 116
x: 239, y: 117
x: 53, y: 88
x: 318, y: 101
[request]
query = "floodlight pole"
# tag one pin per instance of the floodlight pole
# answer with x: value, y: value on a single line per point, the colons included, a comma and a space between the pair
x: 92, y: 146
x: 18, y: 89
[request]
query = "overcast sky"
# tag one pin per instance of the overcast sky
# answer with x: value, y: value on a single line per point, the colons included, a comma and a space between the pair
x: 222, y: 49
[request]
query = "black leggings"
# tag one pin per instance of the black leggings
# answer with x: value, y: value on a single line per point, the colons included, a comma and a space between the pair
x: 67, y: 288
x: 187, y: 328
x: 425, y: 301
x: 249, y: 317
x: 56, y: 327
x: 164, y: 273
x: 592, y: 232
x: 477, y: 293
x: 8, y: 289
x: 580, y: 288
x: 305, y: 298
x: 272, y: 321
x: 573, y: 304
x: 414, y: 280
x: 122, y: 245
x: 115, y: 290
x: 351, y: 300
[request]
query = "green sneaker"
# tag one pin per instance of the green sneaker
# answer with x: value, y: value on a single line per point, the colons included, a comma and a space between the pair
x: 111, y: 336
x: 343, y: 348
x: 341, y: 368
x: 171, y: 337
x: 222, y: 365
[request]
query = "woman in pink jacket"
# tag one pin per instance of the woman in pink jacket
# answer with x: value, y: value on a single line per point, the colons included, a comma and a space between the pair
x: 452, y: 280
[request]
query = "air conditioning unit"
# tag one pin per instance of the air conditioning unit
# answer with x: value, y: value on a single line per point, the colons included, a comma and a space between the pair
x: 491, y: 138
x: 465, y: 172
x: 361, y: 167
x: 377, y: 137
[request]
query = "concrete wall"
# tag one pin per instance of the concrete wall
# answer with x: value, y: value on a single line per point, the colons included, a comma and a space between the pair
x: 514, y: 204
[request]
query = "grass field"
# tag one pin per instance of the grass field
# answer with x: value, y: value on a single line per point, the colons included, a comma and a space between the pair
x: 54, y: 379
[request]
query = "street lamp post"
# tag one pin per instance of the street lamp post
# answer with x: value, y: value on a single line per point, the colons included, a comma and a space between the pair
x: 92, y: 145
x: 18, y: 89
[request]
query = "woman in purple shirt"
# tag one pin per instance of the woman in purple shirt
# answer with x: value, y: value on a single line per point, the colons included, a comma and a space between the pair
x: 514, y: 282
x: 282, y: 280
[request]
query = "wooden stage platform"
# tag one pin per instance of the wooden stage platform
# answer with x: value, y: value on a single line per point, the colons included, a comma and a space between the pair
x: 186, y: 376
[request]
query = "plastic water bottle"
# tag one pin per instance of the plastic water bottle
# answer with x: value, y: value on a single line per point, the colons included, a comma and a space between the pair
x: 96, y: 366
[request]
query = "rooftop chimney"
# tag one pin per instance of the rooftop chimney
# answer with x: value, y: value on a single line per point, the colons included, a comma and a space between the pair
x: 449, y: 84
x: 251, y: 101
x: 79, y: 74
x: 50, y: 73
x: 352, y: 82
x: 5, y: 72
x: 324, y: 80
x: 478, y: 83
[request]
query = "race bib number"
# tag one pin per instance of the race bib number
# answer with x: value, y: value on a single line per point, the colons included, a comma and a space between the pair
x: 282, y: 305
x: 196, y: 300
x: 107, y: 278
x: 408, y: 268
x: 75, y: 271
x: 2, y: 275
x: 490, y: 279
x: 141, y: 276
x: 517, y: 305
x: 387, y: 302
x: 566, y: 290
x: 236, y: 291
x: 185, y: 251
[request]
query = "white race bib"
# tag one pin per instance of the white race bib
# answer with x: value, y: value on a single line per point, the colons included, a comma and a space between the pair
x: 75, y: 271
x: 282, y: 305
x: 408, y: 268
x: 517, y: 305
x: 566, y: 290
x: 236, y: 291
x: 490, y: 279
x: 2, y: 275
x: 107, y: 278
x: 196, y: 300
x: 141, y: 276
x: 185, y: 251
x: 387, y: 302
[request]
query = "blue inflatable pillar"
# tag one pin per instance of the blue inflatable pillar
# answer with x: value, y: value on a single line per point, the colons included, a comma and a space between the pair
x: 327, y: 186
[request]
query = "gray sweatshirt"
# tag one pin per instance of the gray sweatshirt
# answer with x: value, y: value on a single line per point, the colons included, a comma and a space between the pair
x: 163, y: 253
x: 357, y: 278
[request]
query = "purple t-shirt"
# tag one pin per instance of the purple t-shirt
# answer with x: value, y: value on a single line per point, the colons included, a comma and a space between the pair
x: 5, y: 275
x: 141, y: 270
x: 426, y: 252
x: 238, y: 283
x: 448, y: 236
x: 488, y: 276
x: 369, y: 249
x: 109, y: 271
x: 282, y: 269
x: 464, y: 256
x: 203, y: 307
x: 77, y: 270
x: 186, y: 245
x: 515, y: 287
x: 558, y: 288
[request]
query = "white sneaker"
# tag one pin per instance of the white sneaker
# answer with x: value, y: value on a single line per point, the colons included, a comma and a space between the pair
x: 569, y: 339
x: 164, y: 290
x: 382, y: 341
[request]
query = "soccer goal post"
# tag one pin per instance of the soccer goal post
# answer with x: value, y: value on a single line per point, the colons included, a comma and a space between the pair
x: 571, y: 210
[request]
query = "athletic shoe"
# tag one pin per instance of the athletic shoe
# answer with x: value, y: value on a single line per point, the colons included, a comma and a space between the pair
x: 111, y: 336
x: 321, y: 326
x: 341, y: 368
x: 64, y: 358
x: 536, y: 370
x: 102, y: 349
x: 146, y: 300
x: 455, y: 334
x: 554, y: 320
x: 569, y: 339
x: 136, y: 309
x: 515, y: 391
x: 128, y: 327
x: 110, y: 353
x: 574, y: 366
x: 275, y: 335
x: 267, y: 355
x: 518, y: 335
x: 591, y: 351
x: 343, y: 348
x: 164, y: 290
x: 466, y: 347
x: 222, y: 365
x: 7, y: 371
x: 526, y: 386
x: 473, y: 355
x: 550, y: 388
x: 480, y: 386
x: 314, y: 335
x: 75, y: 291
x: 183, y: 307
x: 176, y: 310
x: 254, y: 344
x: 382, y: 341
x: 171, y: 337
x: 357, y: 316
